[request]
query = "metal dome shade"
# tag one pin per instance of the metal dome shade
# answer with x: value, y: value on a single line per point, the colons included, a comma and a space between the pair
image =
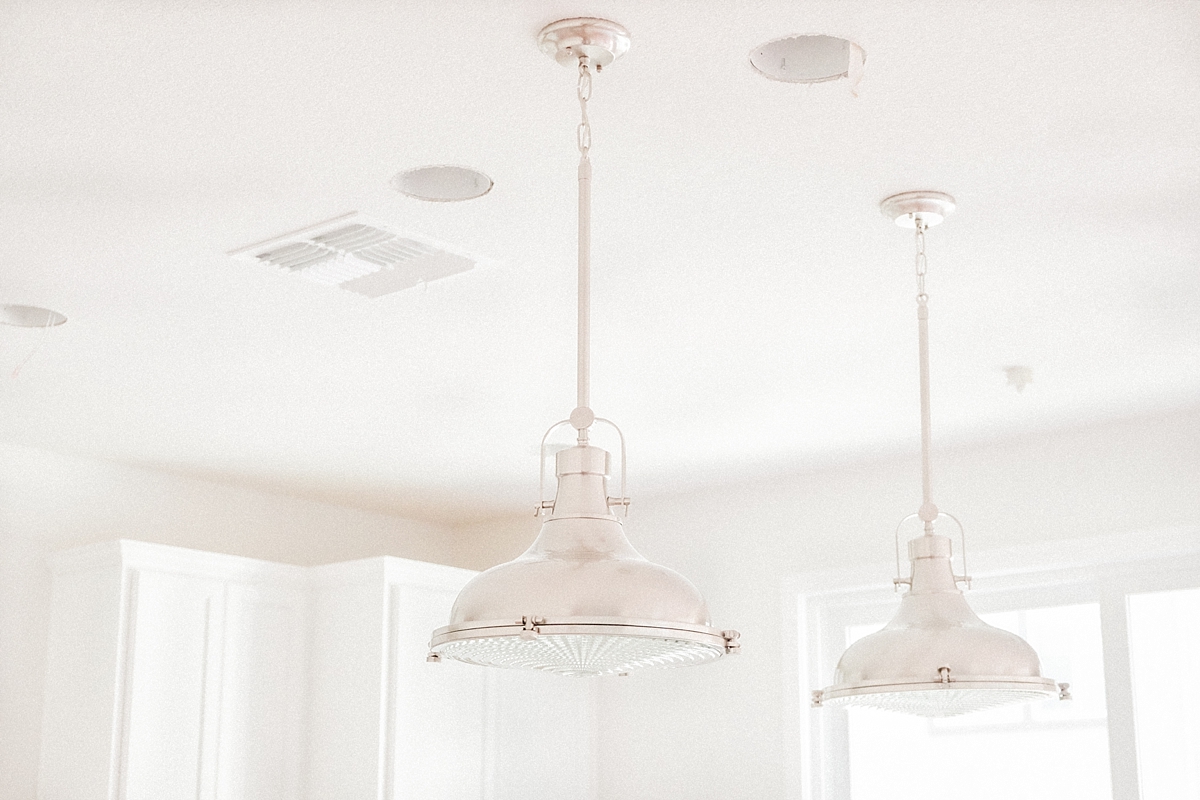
x: 581, y: 600
x: 937, y: 658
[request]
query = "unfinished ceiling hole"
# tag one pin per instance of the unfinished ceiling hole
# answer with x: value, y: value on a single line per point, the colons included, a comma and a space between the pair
x: 812, y: 58
x: 30, y: 316
x: 442, y: 183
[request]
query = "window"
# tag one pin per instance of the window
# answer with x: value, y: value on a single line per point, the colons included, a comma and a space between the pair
x: 1126, y: 636
x: 1164, y: 644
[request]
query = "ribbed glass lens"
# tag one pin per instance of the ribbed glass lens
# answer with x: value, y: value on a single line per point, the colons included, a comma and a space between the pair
x: 580, y: 654
x: 940, y: 702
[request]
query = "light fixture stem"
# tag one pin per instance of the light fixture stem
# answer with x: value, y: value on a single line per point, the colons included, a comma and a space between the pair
x: 585, y: 281
x: 584, y: 377
x: 928, y: 512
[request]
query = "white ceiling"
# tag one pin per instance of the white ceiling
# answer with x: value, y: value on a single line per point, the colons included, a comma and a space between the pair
x: 752, y: 307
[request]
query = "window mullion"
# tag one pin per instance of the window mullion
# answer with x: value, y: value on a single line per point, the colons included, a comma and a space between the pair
x: 834, y: 722
x: 1118, y: 692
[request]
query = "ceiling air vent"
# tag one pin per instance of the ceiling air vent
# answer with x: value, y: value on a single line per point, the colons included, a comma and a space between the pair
x: 359, y: 255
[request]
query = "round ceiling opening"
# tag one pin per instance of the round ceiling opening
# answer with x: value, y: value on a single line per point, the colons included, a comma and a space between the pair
x: 442, y: 184
x: 808, y: 59
x: 30, y: 316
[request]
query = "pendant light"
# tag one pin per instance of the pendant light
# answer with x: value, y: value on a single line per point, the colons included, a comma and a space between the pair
x: 935, y: 658
x: 581, y: 600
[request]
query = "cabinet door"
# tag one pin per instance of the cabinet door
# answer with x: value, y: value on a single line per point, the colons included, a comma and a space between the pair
x: 263, y: 694
x: 436, y: 711
x: 172, y: 702
x: 345, y: 717
x: 80, y: 733
x: 173, y: 674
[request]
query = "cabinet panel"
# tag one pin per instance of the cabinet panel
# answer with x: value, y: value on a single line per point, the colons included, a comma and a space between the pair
x: 176, y: 674
x: 437, y: 709
x: 80, y: 735
x: 172, y: 706
x: 345, y: 717
x: 263, y: 695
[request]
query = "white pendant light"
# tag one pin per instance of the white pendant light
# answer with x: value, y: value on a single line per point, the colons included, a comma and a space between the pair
x: 581, y: 600
x: 935, y: 658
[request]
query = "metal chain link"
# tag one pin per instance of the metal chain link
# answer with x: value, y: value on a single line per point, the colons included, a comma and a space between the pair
x: 921, y: 263
x: 585, y: 94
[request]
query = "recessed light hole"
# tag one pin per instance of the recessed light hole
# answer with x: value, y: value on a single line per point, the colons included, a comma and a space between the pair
x: 442, y: 184
x: 808, y: 59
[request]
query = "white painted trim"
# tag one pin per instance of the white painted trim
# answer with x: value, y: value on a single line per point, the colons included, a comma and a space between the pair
x: 347, y: 573
x: 389, y: 676
x: 392, y: 570
x: 1118, y: 693
x: 212, y: 683
x: 491, y: 737
x: 795, y: 674
x: 122, y: 697
x: 425, y: 575
x: 131, y: 554
x: 1043, y: 557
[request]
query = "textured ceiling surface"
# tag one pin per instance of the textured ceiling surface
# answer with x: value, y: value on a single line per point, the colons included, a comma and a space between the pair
x: 752, y: 306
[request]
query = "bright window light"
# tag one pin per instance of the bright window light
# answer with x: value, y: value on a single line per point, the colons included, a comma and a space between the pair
x: 1041, y: 751
x: 1164, y: 639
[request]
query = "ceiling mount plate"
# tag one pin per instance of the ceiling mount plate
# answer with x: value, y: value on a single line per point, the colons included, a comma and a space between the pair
x: 905, y: 208
x: 598, y: 40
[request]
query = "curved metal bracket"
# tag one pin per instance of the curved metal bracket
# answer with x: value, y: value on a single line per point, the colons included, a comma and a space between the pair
x: 965, y: 577
x: 545, y: 505
x: 623, y: 498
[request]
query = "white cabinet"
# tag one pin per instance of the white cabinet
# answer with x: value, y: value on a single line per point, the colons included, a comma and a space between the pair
x: 384, y: 722
x: 173, y: 674
x: 179, y: 674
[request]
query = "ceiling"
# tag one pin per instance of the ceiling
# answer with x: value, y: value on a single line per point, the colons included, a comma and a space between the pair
x: 752, y: 307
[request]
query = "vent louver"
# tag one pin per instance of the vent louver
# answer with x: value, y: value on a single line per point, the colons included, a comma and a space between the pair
x: 358, y: 255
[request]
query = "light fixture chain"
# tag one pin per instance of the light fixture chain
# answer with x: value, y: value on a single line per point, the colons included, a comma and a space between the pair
x: 928, y: 511
x: 585, y: 93
x: 921, y: 264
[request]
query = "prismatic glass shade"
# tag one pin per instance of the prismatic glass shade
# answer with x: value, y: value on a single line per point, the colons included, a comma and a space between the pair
x: 581, y: 654
x: 581, y: 600
x: 936, y: 657
x: 940, y: 702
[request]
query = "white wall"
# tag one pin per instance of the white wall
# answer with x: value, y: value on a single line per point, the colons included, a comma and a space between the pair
x: 707, y: 732
x: 50, y: 502
x: 721, y: 730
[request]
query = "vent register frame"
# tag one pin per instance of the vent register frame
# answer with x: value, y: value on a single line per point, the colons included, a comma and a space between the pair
x: 581, y: 600
x: 360, y: 255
